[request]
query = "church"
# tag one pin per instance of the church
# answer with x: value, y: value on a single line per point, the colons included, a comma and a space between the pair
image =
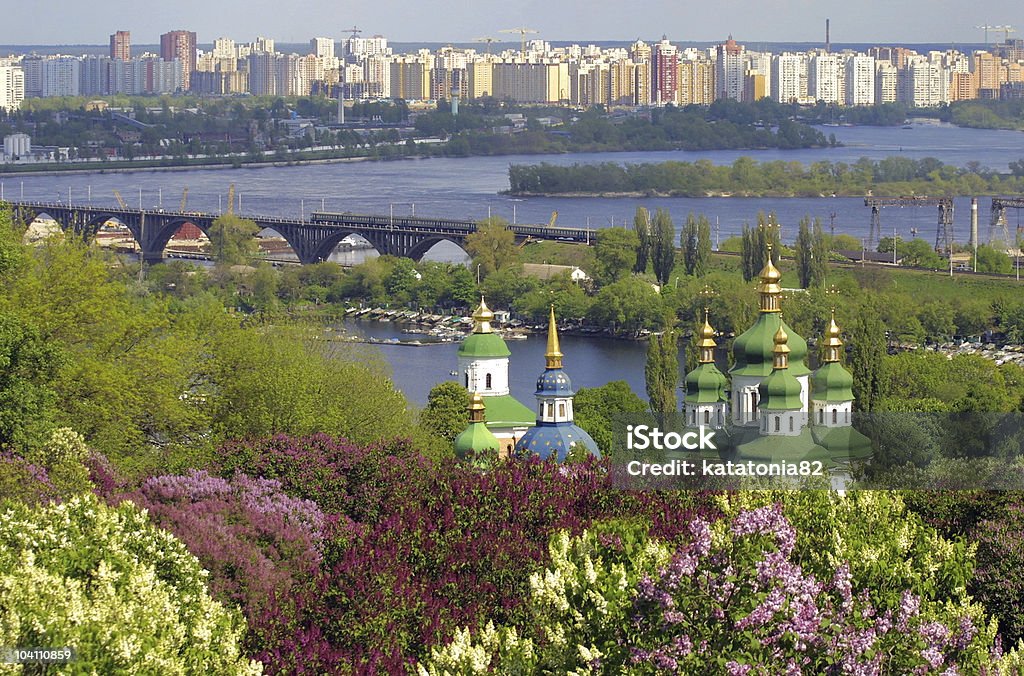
x: 772, y: 406
x: 769, y: 407
x: 498, y: 421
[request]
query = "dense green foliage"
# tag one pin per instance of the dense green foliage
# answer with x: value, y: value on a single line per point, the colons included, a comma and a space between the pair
x: 748, y: 178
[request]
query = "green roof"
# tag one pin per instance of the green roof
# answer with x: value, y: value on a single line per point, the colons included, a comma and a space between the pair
x: 780, y: 392
x: 507, y: 411
x: 483, y: 345
x: 753, y: 349
x: 705, y: 385
x: 844, y: 443
x: 831, y: 382
x: 768, y: 448
x: 477, y: 438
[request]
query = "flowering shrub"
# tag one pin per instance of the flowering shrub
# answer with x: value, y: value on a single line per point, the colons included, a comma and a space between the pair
x: 428, y: 548
x: 128, y: 596
x: 253, y: 538
x: 733, y: 600
x: 999, y: 580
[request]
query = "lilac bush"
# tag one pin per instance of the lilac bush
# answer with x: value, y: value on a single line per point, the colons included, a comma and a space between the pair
x: 733, y: 600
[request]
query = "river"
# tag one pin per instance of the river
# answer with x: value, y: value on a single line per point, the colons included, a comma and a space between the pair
x: 469, y: 187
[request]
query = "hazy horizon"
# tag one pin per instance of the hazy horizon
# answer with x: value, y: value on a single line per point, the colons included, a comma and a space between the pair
x: 433, y: 21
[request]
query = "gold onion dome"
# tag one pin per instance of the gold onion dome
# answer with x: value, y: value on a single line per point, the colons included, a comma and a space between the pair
x: 769, y: 288
x: 781, y: 350
x: 482, y: 318
x: 707, y: 334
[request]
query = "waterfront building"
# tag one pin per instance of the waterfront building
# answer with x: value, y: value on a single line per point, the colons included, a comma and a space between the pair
x: 664, y: 73
x: 696, y: 82
x: 987, y: 70
x: 555, y: 435
x: 886, y: 82
x: 483, y: 370
x: 789, y: 78
x: 121, y: 45
x: 730, y: 70
x: 826, y: 78
x: 180, y: 46
x: 410, y: 78
x: 12, y: 85
x: 860, y: 80
x: 640, y: 54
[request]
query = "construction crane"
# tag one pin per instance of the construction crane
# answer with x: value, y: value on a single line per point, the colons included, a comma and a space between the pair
x: 488, y: 40
x: 184, y: 200
x: 120, y: 200
x: 1005, y: 29
x: 354, y: 32
x: 522, y: 36
x: 231, y: 199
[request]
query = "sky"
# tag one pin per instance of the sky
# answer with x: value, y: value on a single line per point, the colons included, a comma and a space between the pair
x: 749, y: 21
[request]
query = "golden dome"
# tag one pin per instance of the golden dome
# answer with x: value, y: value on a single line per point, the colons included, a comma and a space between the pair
x: 476, y: 408
x: 833, y: 343
x: 707, y: 333
x: 781, y: 337
x: 482, y: 318
x: 769, y: 287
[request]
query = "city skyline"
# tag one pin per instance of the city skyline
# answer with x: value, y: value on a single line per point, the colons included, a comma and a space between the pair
x: 431, y: 20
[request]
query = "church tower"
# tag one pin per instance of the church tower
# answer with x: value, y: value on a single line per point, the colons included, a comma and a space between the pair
x: 831, y: 384
x: 781, y: 411
x: 476, y: 439
x: 754, y: 352
x: 706, y: 402
x: 483, y: 369
x: 555, y: 434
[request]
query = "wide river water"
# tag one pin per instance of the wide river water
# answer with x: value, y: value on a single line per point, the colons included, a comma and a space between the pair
x: 469, y: 187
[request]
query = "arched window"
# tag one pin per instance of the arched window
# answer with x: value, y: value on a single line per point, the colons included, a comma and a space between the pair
x: 777, y: 421
x: 790, y: 424
x: 467, y: 380
x: 753, y: 405
x: 561, y: 409
x: 487, y: 381
x: 707, y: 417
x: 835, y: 416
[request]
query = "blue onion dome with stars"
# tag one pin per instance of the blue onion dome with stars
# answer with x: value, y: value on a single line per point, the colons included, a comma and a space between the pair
x: 555, y: 435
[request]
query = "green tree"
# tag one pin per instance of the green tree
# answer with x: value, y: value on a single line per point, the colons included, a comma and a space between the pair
x: 595, y: 408
x: 811, y: 254
x: 661, y: 372
x: 866, y: 338
x: 991, y: 259
x: 627, y: 306
x: 642, y: 228
x: 492, y: 246
x: 755, y: 244
x: 88, y: 576
x: 663, y: 246
x: 696, y: 245
x: 28, y: 396
x: 232, y: 239
x: 446, y: 413
x: 614, y: 253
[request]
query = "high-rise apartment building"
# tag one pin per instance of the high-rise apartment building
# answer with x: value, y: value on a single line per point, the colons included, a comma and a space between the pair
x: 12, y: 85
x: 886, y: 82
x: 322, y: 47
x: 640, y: 53
x: 860, y: 80
x: 60, y: 76
x: 825, y: 78
x: 922, y: 84
x: 480, y: 72
x: 622, y: 75
x: 262, y: 45
x: 121, y: 45
x: 789, y: 78
x: 224, y: 48
x: 180, y: 45
x: 987, y: 72
x: 664, y: 73
x: 730, y: 70
x: 696, y: 82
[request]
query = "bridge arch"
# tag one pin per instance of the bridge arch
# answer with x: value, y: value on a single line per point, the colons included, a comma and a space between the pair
x: 422, y: 247
x: 327, y: 245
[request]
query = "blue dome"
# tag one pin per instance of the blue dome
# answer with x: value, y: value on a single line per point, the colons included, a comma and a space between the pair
x: 555, y: 440
x: 555, y: 382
